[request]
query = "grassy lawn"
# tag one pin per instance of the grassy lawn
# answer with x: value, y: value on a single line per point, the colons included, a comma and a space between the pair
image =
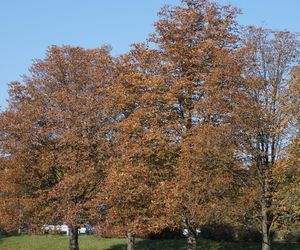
x: 93, y: 243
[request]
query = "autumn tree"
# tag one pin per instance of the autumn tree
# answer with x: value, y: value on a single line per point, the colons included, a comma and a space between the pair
x: 56, y: 131
x: 201, y: 62
x: 266, y: 121
x: 186, y: 76
x: 142, y: 152
x: 287, y: 172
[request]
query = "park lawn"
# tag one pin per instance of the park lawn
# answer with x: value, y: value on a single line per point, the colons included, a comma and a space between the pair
x: 52, y: 242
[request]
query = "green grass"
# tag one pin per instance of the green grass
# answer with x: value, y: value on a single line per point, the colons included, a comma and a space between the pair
x: 52, y: 242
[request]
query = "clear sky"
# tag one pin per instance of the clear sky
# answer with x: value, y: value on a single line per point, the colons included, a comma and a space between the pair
x: 28, y: 27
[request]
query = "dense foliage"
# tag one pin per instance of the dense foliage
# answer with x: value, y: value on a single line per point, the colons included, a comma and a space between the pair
x: 197, y: 126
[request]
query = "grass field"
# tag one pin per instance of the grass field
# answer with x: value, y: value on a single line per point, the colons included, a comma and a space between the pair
x: 93, y: 243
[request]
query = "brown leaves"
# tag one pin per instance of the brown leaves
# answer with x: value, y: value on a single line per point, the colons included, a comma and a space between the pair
x: 56, y: 132
x: 177, y: 130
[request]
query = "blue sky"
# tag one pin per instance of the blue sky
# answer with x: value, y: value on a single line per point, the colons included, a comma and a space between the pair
x: 28, y: 27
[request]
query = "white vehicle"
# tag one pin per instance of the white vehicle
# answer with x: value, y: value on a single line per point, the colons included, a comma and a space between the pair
x: 52, y: 228
x: 185, y: 231
x: 82, y: 230
x: 64, y: 229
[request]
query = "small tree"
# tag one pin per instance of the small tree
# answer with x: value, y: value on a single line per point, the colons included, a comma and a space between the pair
x: 265, y: 121
x: 286, y: 197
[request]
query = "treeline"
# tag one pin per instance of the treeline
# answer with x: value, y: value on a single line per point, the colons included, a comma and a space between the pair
x: 198, y: 125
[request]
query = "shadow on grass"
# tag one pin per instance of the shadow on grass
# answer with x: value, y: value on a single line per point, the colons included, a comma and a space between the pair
x: 153, y: 245
x: 181, y: 245
x: 203, y: 245
x: 5, y: 235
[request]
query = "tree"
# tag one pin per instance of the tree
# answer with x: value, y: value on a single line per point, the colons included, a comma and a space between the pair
x: 287, y: 173
x: 141, y: 148
x: 188, y: 79
x: 201, y: 68
x: 265, y: 120
x: 56, y: 131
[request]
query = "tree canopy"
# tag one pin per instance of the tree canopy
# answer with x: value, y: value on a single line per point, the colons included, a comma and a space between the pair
x: 198, y: 125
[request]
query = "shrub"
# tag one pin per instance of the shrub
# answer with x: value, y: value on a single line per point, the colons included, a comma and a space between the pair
x: 292, y: 236
x: 166, y: 233
x: 248, y: 235
x: 218, y: 232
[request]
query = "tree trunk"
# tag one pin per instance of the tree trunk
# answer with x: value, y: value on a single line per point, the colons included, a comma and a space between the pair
x: 266, y: 208
x: 266, y: 244
x: 73, y: 238
x: 130, y: 241
x: 191, y: 241
x: 267, y: 218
